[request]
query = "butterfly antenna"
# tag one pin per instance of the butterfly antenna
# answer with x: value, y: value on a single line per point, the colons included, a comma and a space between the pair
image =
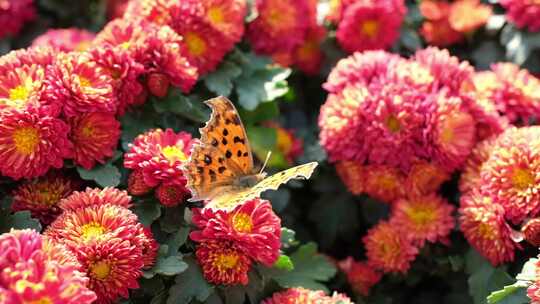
x: 266, y: 161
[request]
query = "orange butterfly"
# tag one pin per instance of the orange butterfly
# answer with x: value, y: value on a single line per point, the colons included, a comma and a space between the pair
x: 220, y: 168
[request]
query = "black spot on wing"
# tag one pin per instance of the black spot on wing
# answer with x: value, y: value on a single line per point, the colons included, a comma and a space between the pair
x: 225, y: 132
x: 228, y: 154
x: 237, y: 139
x: 221, y: 170
x: 214, y: 142
x: 239, y: 153
x: 224, y: 141
x: 246, y: 154
x: 207, y: 159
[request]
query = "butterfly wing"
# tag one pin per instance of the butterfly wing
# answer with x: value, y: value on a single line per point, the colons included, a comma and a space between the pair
x: 222, y: 156
x: 228, y: 200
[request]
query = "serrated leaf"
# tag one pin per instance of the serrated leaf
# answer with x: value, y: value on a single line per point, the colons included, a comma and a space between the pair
x: 135, y: 123
x: 189, y: 285
x: 484, y: 278
x: 169, y: 266
x: 410, y: 39
x: 147, y: 211
x: 260, y: 86
x: 172, y: 220
x: 510, y: 294
x: 22, y: 220
x: 104, y: 175
x: 221, y: 80
x: 284, y: 263
x: 190, y: 107
x: 310, y: 270
x: 177, y: 239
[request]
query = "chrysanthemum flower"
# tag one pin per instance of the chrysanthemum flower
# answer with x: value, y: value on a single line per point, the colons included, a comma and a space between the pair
x: 424, y: 218
x: 95, y: 137
x: 299, y: 295
x: 287, y: 143
x: 65, y: 40
x: 531, y: 231
x: 136, y: 184
x: 116, y: 8
x: 31, y: 144
x: 352, y: 175
x: 533, y: 291
x: 483, y: 224
x: 222, y: 263
x: 467, y: 16
x: 81, y: 85
x: 150, y: 248
x: 95, y: 197
x: 41, y: 196
x: 160, y: 155
x: 512, y: 173
x: 425, y: 177
x: 227, y: 16
x: 308, y: 56
x: 29, y: 275
x: 280, y: 25
x: 437, y: 29
x: 14, y: 14
x: 360, y: 275
x: 252, y: 226
x: 383, y: 183
x: 470, y: 177
x: 388, y: 248
x: 170, y: 195
x: 523, y: 13
x: 369, y: 25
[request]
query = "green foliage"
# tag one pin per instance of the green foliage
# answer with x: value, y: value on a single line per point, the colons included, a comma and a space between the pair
x: 189, y: 285
x: 17, y: 220
x: 147, y: 211
x: 104, y: 175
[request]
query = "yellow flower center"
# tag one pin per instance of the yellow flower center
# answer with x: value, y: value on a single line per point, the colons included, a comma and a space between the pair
x: 306, y: 51
x: 284, y: 141
x: 522, y: 178
x: 386, y: 182
x: 19, y: 93
x: 87, y: 131
x: 100, y: 270
x: 82, y: 46
x: 84, y: 82
x: 173, y: 154
x: 26, y: 140
x: 48, y: 197
x: 279, y: 16
x: 421, y: 216
x: 370, y: 28
x: 22, y: 285
x: 486, y: 231
x: 125, y: 45
x: 215, y: 15
x: 393, y: 124
x: 44, y: 300
x: 224, y: 262
x: 242, y: 222
x: 92, y: 230
x: 196, y: 45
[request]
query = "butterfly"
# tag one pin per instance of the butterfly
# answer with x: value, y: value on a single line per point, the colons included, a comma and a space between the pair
x: 220, y: 168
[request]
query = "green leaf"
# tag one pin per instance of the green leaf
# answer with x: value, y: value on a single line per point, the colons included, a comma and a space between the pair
x: 287, y: 238
x: 147, y: 211
x: 220, y: 81
x: 104, y: 175
x: 334, y: 216
x: 169, y: 266
x: 264, y: 112
x: 484, y: 277
x: 410, y: 39
x: 189, y: 285
x: 136, y: 123
x: 190, y: 107
x: 310, y: 269
x: 510, y: 294
x: 261, y: 86
x: 172, y: 220
x: 284, y: 263
x: 262, y: 140
x: 18, y: 220
x: 177, y: 239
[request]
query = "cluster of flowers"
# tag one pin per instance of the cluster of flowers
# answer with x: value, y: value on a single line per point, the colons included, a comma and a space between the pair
x: 302, y: 295
x: 523, y: 13
x: 448, y: 23
x: 367, y: 24
x: 94, y: 250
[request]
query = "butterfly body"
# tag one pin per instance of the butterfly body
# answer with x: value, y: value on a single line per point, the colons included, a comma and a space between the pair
x: 220, y: 168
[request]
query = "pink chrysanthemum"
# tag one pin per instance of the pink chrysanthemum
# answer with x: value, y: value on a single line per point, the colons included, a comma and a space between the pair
x: 308, y: 56
x: 28, y: 274
x: 253, y: 227
x: 41, y: 56
x: 383, y: 183
x: 437, y: 29
x: 360, y: 275
x: 280, y: 26
x: 424, y: 178
x: 531, y: 231
x: 171, y: 195
x: 483, y: 224
x: 470, y: 177
x: 227, y: 16
x: 424, y: 218
x: 65, y: 40
x: 352, y: 175
x: 388, y: 248
x: 222, y: 263
x: 136, y: 184
x: 523, y: 13
x: 116, y: 8
x: 81, y: 85
x: 41, y: 196
x: 95, y: 137
x: 533, y: 291
x: 466, y: 16
x: 14, y: 14
x: 160, y: 155
x: 370, y: 25
x: 95, y: 197
x: 299, y: 295
x: 31, y: 144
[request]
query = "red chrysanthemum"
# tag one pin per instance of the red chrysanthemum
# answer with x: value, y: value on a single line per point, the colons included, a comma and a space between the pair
x: 470, y: 177
x: 150, y: 248
x: 94, y: 136
x: 370, y: 25
x: 437, y: 29
x: 171, y: 195
x: 299, y: 295
x: 31, y: 144
x: 41, y: 196
x: 482, y: 222
x: 280, y: 26
x: 14, y: 14
x: 116, y: 8
x: 80, y: 84
x: 136, y: 184
x: 30, y: 272
x: 65, y: 40
x: 467, y: 16
x: 531, y: 231
x: 227, y: 16
x: 160, y: 155
x: 308, y: 56
x: 95, y: 197
x: 222, y: 263
x: 388, y: 248
x: 424, y: 178
x: 424, y: 218
x: 360, y: 275
x: 352, y: 175
x: 253, y: 227
x: 287, y: 143
x: 512, y: 173
x: 523, y: 13
x: 41, y: 56
x: 383, y: 183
